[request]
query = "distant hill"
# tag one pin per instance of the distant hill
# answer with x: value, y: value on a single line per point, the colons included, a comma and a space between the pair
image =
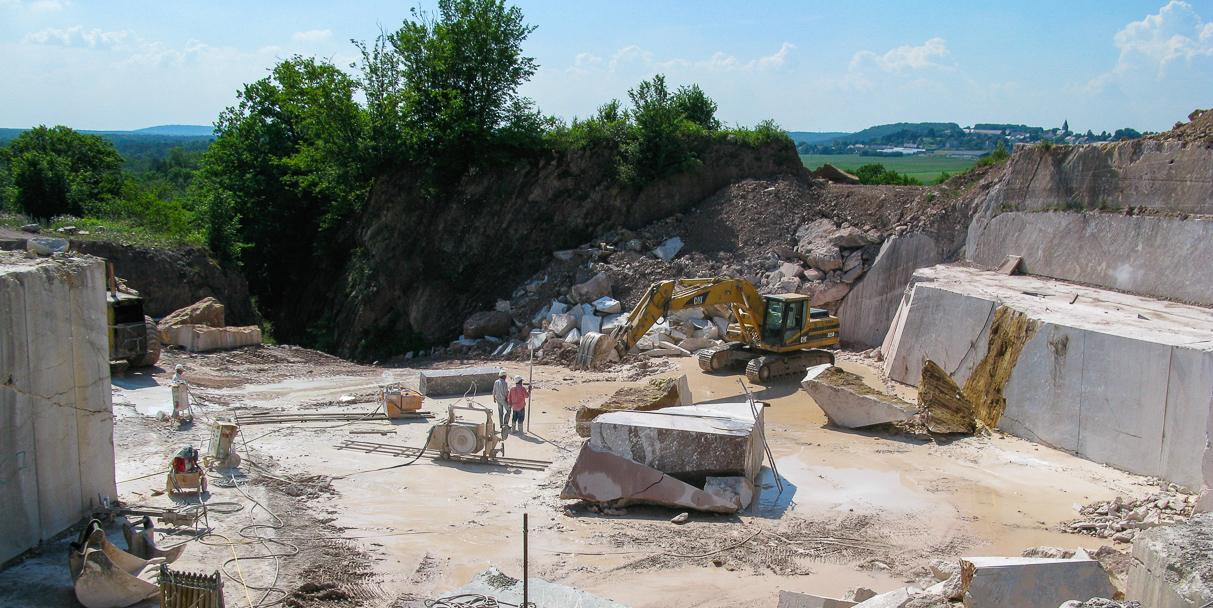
x: 812, y: 137
x: 913, y: 127
x: 187, y: 130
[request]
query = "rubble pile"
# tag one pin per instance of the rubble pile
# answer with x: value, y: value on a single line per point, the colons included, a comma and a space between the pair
x: 1121, y: 518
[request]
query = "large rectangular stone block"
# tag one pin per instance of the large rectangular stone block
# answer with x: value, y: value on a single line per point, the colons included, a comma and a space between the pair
x: 448, y: 382
x: 1121, y: 379
x: 1018, y: 582
x: 56, y: 422
x: 689, y: 441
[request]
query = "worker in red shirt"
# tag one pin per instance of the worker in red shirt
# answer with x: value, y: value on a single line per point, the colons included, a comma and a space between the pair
x: 518, y: 396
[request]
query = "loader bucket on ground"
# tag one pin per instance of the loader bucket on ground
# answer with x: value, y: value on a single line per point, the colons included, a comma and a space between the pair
x: 594, y: 347
x: 142, y: 543
x: 108, y: 577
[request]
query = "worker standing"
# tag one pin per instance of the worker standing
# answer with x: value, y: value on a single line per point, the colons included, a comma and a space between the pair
x: 501, y: 392
x: 181, y: 394
x: 518, y: 397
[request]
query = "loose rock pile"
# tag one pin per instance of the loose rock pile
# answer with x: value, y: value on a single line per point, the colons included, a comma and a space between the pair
x: 1121, y: 518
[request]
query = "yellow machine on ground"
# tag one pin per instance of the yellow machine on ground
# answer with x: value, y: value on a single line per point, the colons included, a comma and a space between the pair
x: 774, y: 335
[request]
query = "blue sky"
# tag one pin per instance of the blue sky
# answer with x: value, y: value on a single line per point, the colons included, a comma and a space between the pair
x: 811, y: 66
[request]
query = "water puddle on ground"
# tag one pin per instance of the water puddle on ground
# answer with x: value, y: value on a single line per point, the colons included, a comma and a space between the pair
x: 148, y: 396
x: 821, y: 487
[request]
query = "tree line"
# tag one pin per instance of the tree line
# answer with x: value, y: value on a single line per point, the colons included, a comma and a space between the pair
x: 295, y: 157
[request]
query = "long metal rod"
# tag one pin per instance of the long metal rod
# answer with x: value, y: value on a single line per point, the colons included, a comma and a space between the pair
x: 408, y: 452
x: 762, y: 433
x: 530, y: 386
x: 525, y: 583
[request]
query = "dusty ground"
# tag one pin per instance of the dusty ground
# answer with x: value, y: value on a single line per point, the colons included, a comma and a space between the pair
x: 305, y: 524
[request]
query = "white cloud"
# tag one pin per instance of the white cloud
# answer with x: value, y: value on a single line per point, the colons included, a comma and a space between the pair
x: 1173, y: 43
x: 313, y: 35
x: 933, y: 54
x: 78, y: 36
x: 46, y: 5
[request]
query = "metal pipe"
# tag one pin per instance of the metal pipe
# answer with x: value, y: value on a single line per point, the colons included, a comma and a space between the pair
x: 530, y: 387
x: 525, y: 589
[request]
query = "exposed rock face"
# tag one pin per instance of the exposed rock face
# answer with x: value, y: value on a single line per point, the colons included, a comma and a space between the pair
x: 487, y: 323
x: 170, y: 279
x: 869, y: 308
x: 1162, y: 175
x: 1125, y: 252
x: 422, y: 262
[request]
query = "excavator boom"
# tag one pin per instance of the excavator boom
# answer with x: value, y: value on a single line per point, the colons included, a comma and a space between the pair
x: 668, y: 296
x: 782, y: 340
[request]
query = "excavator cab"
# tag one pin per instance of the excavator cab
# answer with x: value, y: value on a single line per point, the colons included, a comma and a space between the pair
x: 785, y: 318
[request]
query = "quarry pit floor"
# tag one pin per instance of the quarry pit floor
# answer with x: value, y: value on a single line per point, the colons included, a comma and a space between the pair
x: 857, y: 508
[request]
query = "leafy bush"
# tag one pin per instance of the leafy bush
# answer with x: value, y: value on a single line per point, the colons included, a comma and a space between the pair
x: 876, y: 174
x: 998, y: 155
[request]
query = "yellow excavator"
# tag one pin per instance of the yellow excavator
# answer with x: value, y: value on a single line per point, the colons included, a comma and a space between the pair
x: 774, y: 335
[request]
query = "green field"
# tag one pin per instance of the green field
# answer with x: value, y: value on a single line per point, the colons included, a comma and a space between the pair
x: 924, y: 167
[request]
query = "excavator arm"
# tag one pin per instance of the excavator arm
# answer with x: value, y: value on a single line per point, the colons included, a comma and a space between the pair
x: 668, y: 296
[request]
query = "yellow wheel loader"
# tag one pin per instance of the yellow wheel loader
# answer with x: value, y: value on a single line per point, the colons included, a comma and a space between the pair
x: 773, y: 336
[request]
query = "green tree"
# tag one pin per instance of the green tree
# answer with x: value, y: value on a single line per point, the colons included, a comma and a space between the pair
x: 696, y: 107
x: 58, y: 171
x: 284, y: 175
x: 877, y: 174
x: 657, y: 150
x: 443, y: 86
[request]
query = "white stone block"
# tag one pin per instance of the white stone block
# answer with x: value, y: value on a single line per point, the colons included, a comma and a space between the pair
x: 608, y: 305
x: 668, y: 249
x: 590, y: 323
x: 610, y: 322
x: 561, y: 324
x: 573, y: 337
x: 557, y: 308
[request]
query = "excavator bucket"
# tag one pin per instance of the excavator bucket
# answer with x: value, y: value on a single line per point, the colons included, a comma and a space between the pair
x: 142, y: 543
x: 106, y: 576
x: 593, y: 349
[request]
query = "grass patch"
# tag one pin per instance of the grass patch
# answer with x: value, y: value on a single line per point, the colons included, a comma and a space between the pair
x: 925, y: 168
x: 117, y: 231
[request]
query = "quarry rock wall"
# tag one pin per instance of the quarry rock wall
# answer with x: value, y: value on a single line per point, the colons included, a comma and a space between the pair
x: 1159, y: 256
x: 423, y: 262
x: 1120, y: 379
x: 869, y: 308
x: 56, y: 419
x: 1167, y: 176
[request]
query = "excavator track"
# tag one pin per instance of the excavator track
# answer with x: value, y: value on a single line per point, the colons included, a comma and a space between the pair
x: 773, y: 367
x: 714, y: 359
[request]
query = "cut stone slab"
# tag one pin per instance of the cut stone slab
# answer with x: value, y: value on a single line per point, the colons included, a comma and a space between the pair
x: 201, y: 338
x: 659, y: 393
x: 1009, y: 265
x: 601, y: 477
x: 505, y: 589
x: 719, y: 439
x: 893, y: 599
x: 445, y: 382
x: 736, y: 490
x: 848, y: 402
x: 1015, y: 582
x: 948, y: 411
x: 1071, y: 386
x: 791, y: 599
x: 1171, y: 565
